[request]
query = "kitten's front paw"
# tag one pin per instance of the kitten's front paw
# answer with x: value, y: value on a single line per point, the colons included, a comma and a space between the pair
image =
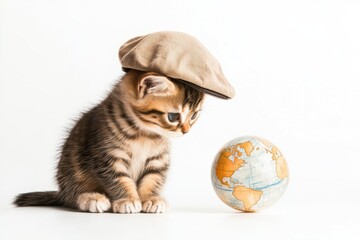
x: 126, y: 206
x: 93, y: 202
x: 154, y: 205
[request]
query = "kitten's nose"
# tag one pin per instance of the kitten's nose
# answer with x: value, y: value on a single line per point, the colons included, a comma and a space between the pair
x: 185, y: 128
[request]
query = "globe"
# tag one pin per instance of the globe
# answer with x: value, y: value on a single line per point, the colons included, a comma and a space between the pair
x: 249, y: 174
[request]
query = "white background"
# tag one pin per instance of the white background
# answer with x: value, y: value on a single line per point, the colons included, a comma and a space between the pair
x: 295, y: 66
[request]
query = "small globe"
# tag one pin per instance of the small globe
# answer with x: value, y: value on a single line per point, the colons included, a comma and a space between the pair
x: 249, y: 174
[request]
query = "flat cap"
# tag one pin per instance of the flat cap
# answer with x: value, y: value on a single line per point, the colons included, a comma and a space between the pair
x: 176, y: 55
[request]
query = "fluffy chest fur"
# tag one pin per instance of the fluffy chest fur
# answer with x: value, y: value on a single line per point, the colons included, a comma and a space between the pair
x: 146, y: 152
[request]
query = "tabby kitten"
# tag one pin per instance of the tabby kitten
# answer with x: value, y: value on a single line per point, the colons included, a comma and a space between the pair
x: 117, y: 155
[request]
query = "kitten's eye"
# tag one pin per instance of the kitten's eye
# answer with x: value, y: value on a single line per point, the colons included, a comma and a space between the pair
x: 194, y: 115
x: 173, y: 117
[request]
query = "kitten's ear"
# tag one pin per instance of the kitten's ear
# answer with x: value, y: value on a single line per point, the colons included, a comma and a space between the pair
x: 156, y: 85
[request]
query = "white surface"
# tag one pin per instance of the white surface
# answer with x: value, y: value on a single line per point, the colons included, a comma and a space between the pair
x: 306, y: 222
x: 295, y: 67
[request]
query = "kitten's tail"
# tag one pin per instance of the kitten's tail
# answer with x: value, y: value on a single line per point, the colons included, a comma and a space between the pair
x: 49, y: 198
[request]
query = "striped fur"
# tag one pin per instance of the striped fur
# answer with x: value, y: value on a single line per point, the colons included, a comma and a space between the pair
x: 116, y: 157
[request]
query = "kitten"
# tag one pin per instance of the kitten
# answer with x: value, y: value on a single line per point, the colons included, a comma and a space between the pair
x: 117, y: 155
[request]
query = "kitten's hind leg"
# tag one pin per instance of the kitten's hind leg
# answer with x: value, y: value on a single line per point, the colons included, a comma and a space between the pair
x: 93, y: 202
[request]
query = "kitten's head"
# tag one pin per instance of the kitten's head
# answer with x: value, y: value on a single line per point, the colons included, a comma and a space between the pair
x: 161, y: 105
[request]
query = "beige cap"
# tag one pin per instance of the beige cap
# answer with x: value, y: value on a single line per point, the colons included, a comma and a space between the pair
x: 177, y: 55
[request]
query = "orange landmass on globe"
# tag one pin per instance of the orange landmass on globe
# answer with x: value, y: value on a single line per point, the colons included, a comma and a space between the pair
x: 226, y: 167
x: 280, y: 162
x: 249, y: 197
x: 247, y: 146
x: 281, y: 167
